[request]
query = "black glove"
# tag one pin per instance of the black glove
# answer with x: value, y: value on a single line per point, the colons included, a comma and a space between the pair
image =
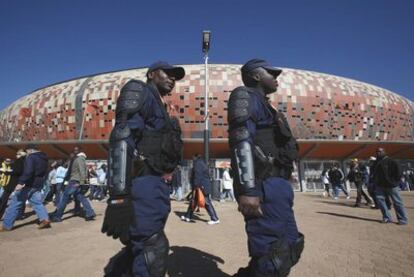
x: 119, y: 215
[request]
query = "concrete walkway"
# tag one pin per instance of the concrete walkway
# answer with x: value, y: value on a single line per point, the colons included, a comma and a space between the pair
x: 340, y: 241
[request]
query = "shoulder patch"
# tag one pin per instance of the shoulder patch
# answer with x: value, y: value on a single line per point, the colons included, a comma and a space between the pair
x: 239, y: 106
x: 132, y: 97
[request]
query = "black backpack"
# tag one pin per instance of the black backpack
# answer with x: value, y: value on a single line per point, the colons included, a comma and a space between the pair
x: 335, y: 175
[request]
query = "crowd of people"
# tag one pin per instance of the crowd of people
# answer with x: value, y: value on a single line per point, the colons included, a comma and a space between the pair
x: 383, y: 179
x: 32, y: 179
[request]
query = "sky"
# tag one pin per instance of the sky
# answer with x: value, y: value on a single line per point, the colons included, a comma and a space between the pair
x: 47, y: 41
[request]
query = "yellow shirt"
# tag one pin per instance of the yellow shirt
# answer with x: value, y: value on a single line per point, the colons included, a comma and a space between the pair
x: 5, y: 174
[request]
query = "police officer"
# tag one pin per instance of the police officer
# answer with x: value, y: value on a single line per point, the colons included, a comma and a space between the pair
x: 145, y: 146
x: 262, y: 154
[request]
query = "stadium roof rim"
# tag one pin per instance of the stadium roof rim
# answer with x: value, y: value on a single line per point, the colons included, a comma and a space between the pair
x: 112, y: 71
x: 289, y: 68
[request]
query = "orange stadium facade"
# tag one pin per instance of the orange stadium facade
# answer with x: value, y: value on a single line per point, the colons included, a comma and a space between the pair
x: 334, y: 118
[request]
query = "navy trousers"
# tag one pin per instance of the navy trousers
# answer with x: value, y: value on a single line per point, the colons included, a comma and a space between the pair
x: 151, y: 201
x: 278, y: 221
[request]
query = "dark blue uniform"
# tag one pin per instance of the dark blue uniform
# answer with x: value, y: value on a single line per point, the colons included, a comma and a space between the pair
x: 277, y: 193
x: 149, y: 193
x: 145, y: 145
x: 250, y: 111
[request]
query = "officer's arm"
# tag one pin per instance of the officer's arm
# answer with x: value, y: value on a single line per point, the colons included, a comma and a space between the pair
x: 127, y: 129
x: 119, y: 214
x: 240, y: 137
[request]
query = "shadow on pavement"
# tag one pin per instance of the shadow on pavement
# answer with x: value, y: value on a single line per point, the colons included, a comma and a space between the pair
x: 314, y: 195
x: 350, y: 216
x: 195, y: 217
x: 35, y: 221
x: 345, y: 204
x: 182, y: 261
x: 187, y: 261
x: 26, y: 215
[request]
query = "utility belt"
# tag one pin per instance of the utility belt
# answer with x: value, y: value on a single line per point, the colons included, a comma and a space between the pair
x: 274, y: 152
x: 161, y: 150
x: 283, y: 256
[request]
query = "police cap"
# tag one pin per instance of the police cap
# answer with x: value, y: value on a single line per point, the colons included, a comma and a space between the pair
x: 255, y: 63
x: 174, y: 71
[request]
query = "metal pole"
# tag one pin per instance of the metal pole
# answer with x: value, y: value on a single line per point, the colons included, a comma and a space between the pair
x: 83, y: 122
x: 206, y: 111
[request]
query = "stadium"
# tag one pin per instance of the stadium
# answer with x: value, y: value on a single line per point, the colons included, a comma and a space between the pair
x: 334, y: 118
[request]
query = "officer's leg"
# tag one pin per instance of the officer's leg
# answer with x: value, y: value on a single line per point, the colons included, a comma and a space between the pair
x: 271, y: 237
x: 150, y: 196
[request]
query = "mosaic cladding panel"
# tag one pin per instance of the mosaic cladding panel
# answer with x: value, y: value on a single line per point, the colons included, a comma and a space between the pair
x: 319, y: 106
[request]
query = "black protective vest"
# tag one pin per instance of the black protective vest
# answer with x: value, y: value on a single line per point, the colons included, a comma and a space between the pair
x: 279, y: 147
x: 162, y: 149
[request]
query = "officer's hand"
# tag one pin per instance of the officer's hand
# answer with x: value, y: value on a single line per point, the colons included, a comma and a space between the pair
x: 249, y: 206
x: 119, y: 215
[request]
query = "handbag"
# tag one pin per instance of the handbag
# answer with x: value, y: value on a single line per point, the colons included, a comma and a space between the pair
x: 198, y: 199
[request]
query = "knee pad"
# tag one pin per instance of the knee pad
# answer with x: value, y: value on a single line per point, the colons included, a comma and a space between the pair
x: 280, y: 259
x: 156, y: 254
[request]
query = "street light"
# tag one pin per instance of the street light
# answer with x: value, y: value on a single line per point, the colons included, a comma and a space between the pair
x: 206, y: 41
x: 88, y: 109
x: 205, y: 48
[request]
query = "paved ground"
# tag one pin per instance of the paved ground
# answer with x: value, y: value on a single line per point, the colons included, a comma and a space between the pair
x: 340, y: 241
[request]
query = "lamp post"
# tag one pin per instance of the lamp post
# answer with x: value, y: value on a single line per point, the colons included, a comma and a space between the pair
x: 205, y: 48
x: 88, y: 109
